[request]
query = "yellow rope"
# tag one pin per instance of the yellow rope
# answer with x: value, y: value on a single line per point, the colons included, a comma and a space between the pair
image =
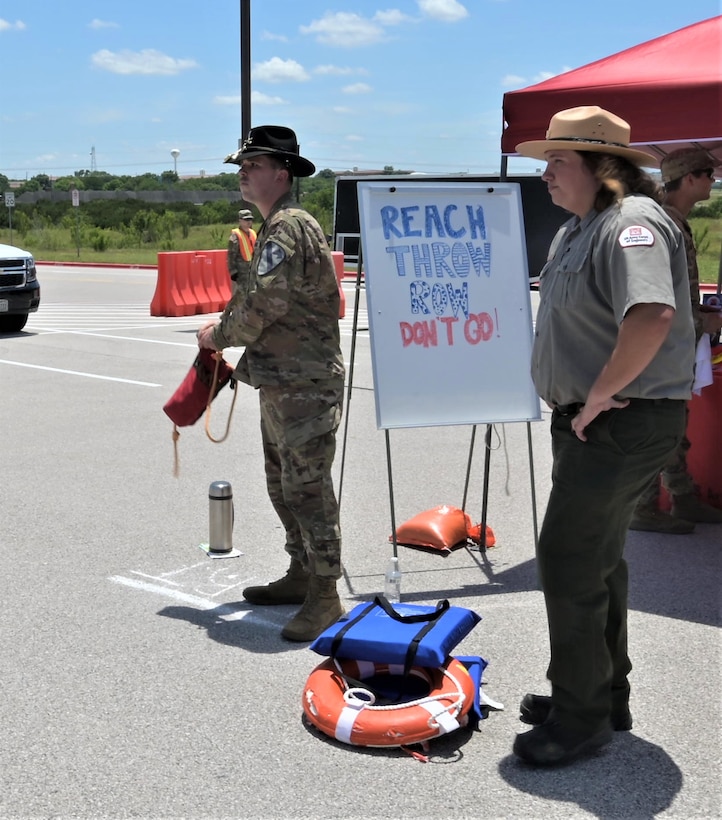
x: 219, y: 358
x: 176, y: 433
x: 176, y: 461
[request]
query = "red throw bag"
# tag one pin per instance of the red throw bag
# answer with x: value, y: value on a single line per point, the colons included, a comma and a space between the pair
x: 208, y: 375
x: 197, y: 390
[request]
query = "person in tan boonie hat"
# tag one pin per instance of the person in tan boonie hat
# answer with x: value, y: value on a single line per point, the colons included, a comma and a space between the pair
x: 613, y: 356
x: 688, y: 161
x: 587, y: 128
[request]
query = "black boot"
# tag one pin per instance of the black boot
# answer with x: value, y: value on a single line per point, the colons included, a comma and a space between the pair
x: 534, y: 709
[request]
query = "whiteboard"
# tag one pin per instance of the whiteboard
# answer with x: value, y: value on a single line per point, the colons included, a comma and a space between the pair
x: 449, y: 308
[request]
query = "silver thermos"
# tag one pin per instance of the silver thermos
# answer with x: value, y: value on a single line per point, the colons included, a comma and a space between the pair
x: 220, y: 517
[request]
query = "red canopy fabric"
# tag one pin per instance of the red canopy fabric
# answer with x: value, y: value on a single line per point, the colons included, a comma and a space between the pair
x: 668, y: 89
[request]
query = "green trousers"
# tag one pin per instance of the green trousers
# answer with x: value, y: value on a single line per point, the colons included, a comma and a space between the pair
x: 595, y: 487
x: 298, y: 431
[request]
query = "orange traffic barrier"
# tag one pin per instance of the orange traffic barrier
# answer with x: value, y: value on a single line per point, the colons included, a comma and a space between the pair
x: 191, y: 282
x: 210, y: 280
x: 338, y: 265
x: 182, y: 282
x: 221, y: 277
x: 173, y: 296
x: 196, y: 267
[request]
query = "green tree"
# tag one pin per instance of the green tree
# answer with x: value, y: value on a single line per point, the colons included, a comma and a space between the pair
x: 94, y: 180
x: 147, y: 182
x: 44, y: 182
x: 168, y: 179
x: 68, y: 183
x: 29, y: 185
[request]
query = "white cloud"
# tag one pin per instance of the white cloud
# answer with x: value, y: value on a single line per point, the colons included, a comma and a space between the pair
x: 277, y: 70
x: 266, y: 99
x: 354, y: 138
x: 345, y: 29
x: 269, y: 35
x: 512, y: 81
x: 356, y: 88
x: 391, y: 17
x: 449, y: 11
x: 547, y: 75
x: 342, y: 109
x: 148, y: 61
x: 515, y: 81
x: 98, y: 24
x: 18, y: 25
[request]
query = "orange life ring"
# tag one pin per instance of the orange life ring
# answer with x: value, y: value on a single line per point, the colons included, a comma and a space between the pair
x: 336, y: 701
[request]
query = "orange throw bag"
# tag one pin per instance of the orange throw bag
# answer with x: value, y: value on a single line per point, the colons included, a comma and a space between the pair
x: 441, y: 528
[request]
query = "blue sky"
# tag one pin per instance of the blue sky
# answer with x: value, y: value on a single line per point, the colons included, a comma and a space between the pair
x: 417, y: 84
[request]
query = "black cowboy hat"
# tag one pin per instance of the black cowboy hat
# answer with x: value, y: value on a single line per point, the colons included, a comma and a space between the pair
x: 276, y: 140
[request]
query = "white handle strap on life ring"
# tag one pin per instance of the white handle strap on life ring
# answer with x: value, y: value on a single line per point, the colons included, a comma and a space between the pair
x: 359, y: 698
x: 441, y: 717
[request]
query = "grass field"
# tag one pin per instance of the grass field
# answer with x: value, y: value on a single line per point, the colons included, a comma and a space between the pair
x: 59, y: 245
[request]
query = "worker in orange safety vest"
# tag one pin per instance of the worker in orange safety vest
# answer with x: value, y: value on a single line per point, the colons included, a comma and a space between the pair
x: 240, y: 250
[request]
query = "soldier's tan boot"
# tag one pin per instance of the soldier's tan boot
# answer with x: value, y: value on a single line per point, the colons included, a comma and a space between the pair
x: 291, y: 589
x: 321, y: 608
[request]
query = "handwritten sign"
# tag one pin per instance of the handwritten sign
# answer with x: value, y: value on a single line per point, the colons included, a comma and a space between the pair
x: 448, y: 303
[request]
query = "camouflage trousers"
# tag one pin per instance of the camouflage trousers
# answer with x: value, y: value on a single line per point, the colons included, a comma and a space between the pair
x: 675, y: 477
x: 298, y: 431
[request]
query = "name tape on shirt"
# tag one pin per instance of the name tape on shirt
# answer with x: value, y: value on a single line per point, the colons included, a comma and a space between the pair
x: 635, y: 235
x: 271, y: 257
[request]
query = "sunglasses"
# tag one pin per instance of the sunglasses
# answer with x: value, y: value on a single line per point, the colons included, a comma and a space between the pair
x: 708, y: 172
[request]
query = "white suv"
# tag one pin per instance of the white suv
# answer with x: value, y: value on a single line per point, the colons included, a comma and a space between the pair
x: 19, y: 288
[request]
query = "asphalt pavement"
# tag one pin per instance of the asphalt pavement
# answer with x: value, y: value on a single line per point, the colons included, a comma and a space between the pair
x: 135, y: 680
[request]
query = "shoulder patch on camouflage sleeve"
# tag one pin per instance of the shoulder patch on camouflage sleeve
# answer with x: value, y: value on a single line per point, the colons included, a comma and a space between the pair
x: 271, y: 257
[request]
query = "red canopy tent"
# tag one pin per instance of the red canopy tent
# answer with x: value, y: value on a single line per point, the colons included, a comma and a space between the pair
x: 669, y: 90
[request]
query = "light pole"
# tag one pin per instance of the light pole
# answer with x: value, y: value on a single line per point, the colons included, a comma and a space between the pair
x: 245, y: 9
x: 174, y: 153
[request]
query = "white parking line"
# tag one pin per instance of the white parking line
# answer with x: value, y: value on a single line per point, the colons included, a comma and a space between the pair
x: 230, y: 612
x: 78, y: 373
x: 97, y: 335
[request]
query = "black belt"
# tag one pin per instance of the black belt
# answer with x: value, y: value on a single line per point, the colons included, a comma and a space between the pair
x: 574, y: 408
x: 569, y: 409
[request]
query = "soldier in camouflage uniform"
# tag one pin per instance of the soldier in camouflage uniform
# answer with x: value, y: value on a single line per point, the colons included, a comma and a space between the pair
x: 688, y: 175
x: 240, y: 251
x: 288, y: 323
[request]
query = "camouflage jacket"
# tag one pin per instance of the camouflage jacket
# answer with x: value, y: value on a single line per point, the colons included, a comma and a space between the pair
x: 692, y: 269
x: 288, y: 320
x: 239, y: 267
